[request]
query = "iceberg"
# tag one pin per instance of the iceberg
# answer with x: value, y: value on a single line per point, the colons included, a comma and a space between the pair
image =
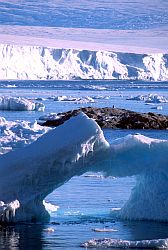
x: 44, y: 63
x: 29, y: 174
x: 20, y: 104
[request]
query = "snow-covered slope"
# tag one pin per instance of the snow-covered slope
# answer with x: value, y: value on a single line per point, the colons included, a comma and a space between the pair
x: 33, y: 63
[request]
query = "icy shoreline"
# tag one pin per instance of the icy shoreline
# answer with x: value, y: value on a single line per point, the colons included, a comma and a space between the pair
x: 45, y: 63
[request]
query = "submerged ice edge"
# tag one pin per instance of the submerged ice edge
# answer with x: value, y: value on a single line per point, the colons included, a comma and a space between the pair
x: 31, y: 173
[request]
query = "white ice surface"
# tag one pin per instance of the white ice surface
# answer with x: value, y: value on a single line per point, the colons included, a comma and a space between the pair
x: 40, y: 63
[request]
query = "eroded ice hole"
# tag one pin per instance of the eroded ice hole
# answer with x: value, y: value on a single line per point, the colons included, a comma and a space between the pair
x: 90, y: 195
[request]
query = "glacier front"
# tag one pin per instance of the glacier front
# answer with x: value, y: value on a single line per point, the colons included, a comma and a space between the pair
x: 41, y: 63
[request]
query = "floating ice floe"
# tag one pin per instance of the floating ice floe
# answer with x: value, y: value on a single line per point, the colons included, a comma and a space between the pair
x: 104, y: 230
x: 97, y: 176
x: 9, y: 86
x: 93, y: 87
x: 49, y: 230
x: 50, y: 207
x: 39, y: 99
x: 99, y: 97
x: 63, y: 98
x: 115, y: 243
x: 150, y: 98
x: 20, y: 104
x: 50, y: 116
x: 157, y: 107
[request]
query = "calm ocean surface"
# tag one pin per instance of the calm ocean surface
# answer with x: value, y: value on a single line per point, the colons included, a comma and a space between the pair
x: 85, y: 202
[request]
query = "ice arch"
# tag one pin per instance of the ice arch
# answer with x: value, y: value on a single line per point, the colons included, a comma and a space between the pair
x: 31, y: 173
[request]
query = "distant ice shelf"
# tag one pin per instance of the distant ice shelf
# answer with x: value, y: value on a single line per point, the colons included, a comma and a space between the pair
x: 35, y: 63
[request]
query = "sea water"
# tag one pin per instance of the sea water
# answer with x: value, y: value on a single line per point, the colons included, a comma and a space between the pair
x: 89, y: 201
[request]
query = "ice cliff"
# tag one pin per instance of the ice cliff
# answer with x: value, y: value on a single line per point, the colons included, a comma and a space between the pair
x: 35, y: 63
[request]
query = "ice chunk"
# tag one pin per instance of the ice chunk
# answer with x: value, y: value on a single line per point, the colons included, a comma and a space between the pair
x: 50, y: 116
x: 86, y: 99
x: 20, y: 104
x: 50, y: 207
x: 150, y: 98
x: 49, y: 230
x: 7, y: 211
x: 157, y: 107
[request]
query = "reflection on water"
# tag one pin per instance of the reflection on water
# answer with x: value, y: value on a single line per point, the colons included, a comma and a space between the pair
x: 21, y: 237
x: 71, y: 235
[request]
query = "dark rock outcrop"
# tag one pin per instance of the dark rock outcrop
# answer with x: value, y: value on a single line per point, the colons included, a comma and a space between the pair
x: 115, y: 118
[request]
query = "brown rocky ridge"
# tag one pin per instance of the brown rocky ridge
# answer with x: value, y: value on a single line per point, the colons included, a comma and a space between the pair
x: 115, y: 118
